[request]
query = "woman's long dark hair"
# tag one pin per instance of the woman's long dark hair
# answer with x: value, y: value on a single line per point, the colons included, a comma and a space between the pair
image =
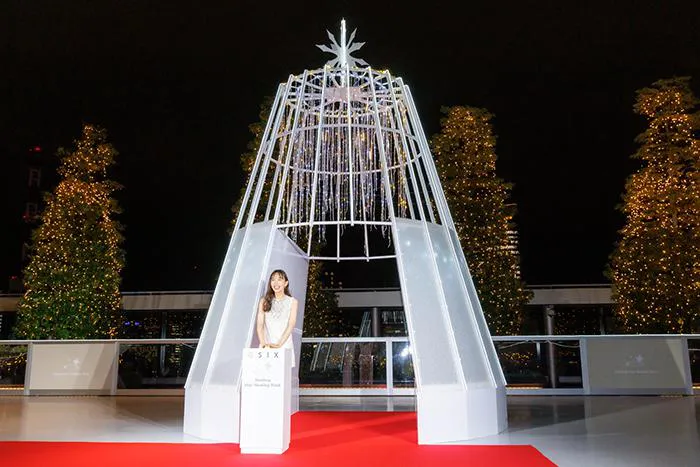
x: 270, y: 294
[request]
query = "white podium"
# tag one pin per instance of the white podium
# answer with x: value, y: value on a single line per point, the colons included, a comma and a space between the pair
x: 266, y: 394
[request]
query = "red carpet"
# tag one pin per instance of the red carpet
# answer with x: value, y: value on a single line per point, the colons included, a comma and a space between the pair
x: 331, y: 439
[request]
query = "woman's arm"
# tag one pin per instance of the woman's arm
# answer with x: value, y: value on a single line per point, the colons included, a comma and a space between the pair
x: 261, y: 324
x: 290, y: 325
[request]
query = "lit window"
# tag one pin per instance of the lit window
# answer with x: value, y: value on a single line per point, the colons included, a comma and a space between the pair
x: 34, y: 177
x: 31, y: 210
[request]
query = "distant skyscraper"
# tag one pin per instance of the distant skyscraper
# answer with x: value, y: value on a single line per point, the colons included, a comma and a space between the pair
x: 513, y: 248
x: 32, y: 168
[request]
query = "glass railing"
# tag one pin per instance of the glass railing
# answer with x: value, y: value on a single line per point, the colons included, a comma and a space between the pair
x: 373, y: 365
x: 402, y: 367
x: 361, y: 364
x: 350, y: 366
x: 535, y: 364
x: 155, y: 364
x: 13, y: 364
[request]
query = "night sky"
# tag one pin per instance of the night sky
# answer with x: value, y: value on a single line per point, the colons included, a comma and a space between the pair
x: 176, y: 86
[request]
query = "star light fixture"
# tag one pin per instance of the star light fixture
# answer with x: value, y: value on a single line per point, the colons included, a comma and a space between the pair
x: 342, y: 52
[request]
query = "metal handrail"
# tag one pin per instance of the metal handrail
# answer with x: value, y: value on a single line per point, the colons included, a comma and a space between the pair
x: 524, y: 338
x: 565, y: 337
x: 99, y: 341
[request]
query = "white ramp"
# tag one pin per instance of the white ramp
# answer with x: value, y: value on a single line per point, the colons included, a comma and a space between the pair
x: 212, y: 391
x: 460, y: 387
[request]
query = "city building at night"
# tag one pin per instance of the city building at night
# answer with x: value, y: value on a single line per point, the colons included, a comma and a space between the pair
x: 31, y: 174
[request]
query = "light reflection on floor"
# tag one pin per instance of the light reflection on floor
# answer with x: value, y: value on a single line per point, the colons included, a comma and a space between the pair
x: 571, y: 430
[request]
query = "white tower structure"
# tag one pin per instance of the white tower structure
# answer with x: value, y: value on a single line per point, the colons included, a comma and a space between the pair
x: 344, y: 148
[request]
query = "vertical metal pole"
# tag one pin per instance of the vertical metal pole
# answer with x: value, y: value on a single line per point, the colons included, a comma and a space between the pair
x: 338, y: 197
x: 263, y: 152
x: 601, y: 319
x: 317, y: 157
x: 162, y: 348
x: 280, y: 163
x: 273, y: 189
x: 402, y: 163
x: 433, y: 178
x: 290, y: 148
x: 376, y: 324
x: 551, y: 350
x: 407, y: 152
x: 362, y: 203
x: 349, y: 140
x: 414, y: 180
x: 28, y: 369
x: 389, y: 368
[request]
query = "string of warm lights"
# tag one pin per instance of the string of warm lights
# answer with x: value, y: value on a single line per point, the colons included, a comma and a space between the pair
x: 73, y: 277
x: 464, y: 152
x: 655, y: 268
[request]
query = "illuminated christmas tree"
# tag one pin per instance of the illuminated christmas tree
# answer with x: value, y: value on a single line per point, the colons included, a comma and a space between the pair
x: 321, y: 315
x: 73, y: 277
x: 465, y: 156
x: 655, y: 268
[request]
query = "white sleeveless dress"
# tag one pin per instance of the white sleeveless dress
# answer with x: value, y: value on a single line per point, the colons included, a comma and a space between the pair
x: 276, y: 321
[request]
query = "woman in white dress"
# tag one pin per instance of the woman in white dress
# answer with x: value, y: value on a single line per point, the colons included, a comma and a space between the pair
x: 277, y: 314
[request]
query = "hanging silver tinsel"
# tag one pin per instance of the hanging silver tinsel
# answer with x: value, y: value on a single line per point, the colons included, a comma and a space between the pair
x: 340, y: 150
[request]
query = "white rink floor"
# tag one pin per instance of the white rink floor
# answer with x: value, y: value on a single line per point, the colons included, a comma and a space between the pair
x: 570, y: 430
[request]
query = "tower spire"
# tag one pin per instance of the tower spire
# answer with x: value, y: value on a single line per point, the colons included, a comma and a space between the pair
x: 343, y: 45
x: 343, y: 51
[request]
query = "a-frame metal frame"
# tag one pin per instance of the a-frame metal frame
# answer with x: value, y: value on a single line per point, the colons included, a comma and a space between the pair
x: 344, y: 147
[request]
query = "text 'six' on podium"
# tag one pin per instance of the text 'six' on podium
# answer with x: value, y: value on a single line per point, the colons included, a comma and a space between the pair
x: 266, y: 401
